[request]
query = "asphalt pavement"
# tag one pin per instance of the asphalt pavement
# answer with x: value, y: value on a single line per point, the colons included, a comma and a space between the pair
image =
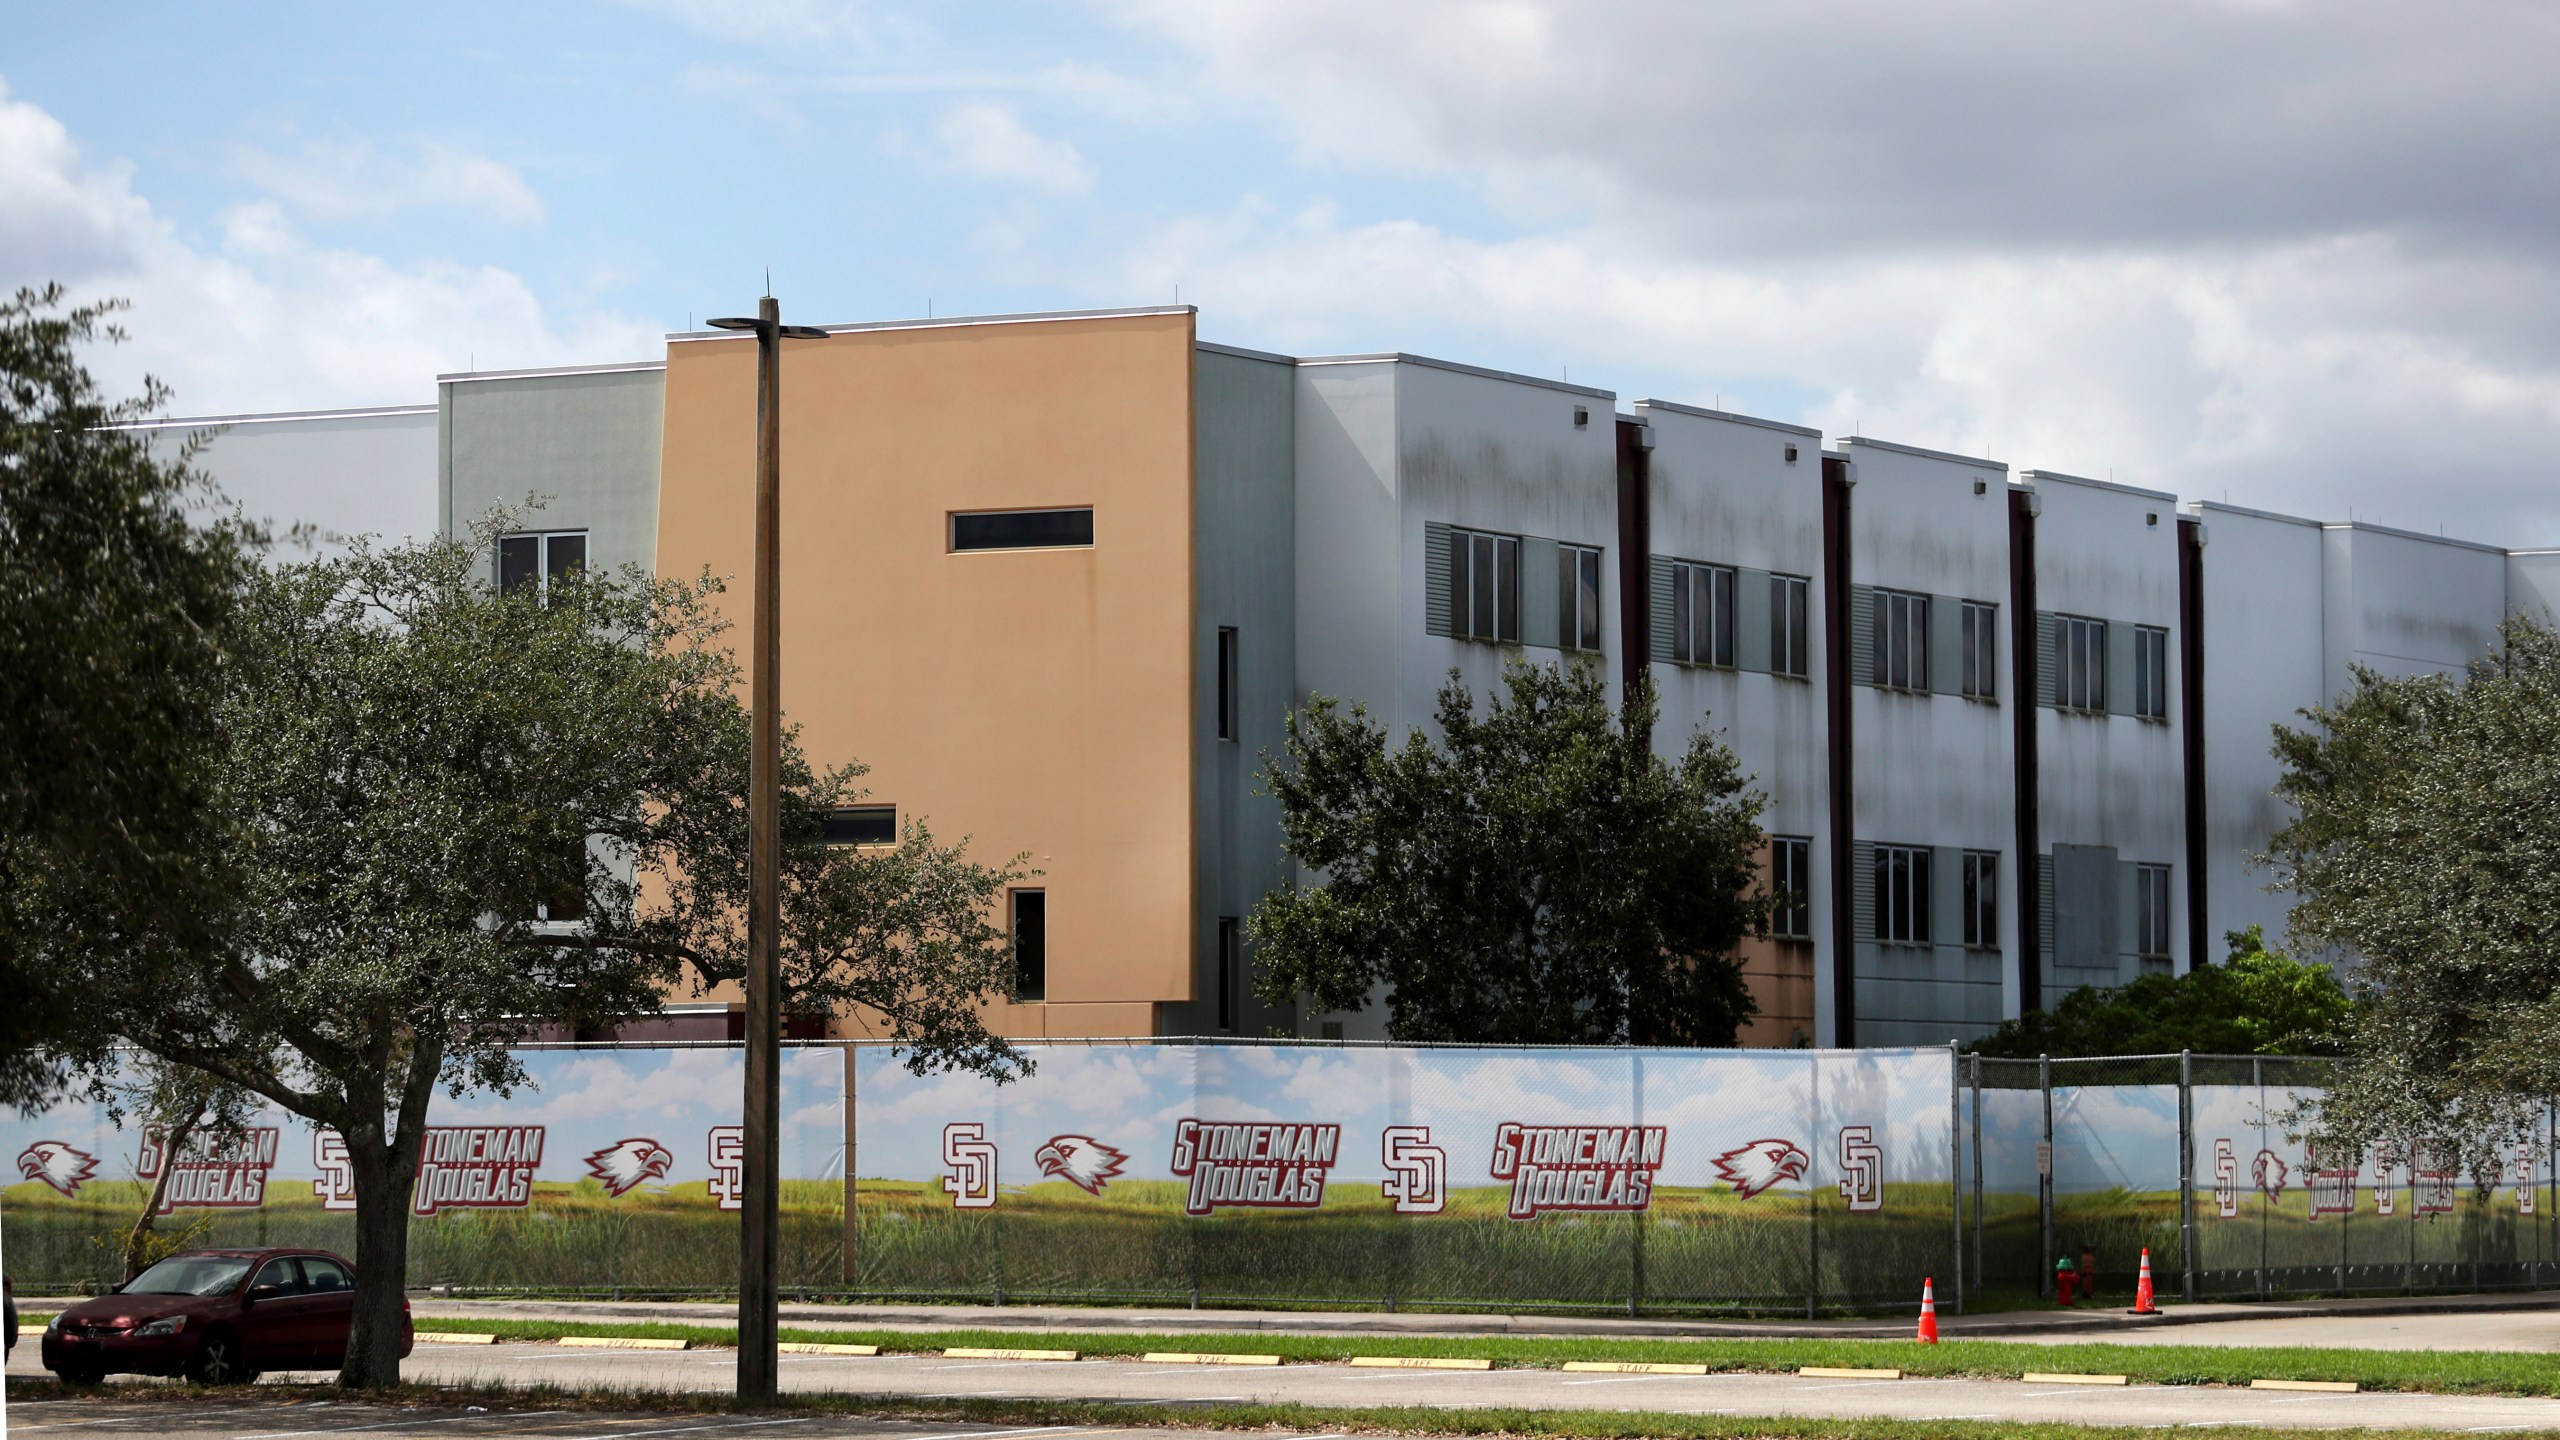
x: 938, y: 1378
x: 252, y: 1420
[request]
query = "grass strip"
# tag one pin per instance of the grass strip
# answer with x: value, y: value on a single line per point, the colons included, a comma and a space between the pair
x: 1301, y: 1419
x: 2443, y: 1372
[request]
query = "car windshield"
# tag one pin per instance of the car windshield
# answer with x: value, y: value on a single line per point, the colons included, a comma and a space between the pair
x: 190, y: 1275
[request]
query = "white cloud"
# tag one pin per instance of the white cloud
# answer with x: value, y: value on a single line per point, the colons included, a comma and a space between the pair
x: 259, y: 316
x: 989, y: 142
x: 2293, y: 254
x: 2317, y: 376
x: 360, y: 181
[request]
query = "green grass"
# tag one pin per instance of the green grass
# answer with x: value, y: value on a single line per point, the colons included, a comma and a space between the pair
x: 1304, y: 1419
x: 2467, y: 1372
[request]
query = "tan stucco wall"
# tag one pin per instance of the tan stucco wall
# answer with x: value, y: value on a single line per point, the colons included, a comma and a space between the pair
x: 1033, y: 701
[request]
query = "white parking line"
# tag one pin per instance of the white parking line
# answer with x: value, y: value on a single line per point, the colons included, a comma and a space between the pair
x: 716, y: 1425
x: 379, y: 1425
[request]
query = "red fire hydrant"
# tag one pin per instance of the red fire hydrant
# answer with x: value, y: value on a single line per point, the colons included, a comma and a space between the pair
x: 2066, y: 1281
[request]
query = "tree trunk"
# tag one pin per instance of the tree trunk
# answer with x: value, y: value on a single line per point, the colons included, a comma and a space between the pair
x: 173, y: 1139
x: 385, y: 1168
x: 383, y: 1178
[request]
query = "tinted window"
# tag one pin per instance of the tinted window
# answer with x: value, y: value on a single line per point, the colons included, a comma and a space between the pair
x: 325, y: 1277
x: 1030, y: 944
x: 519, y: 561
x: 1021, y: 529
x: 565, y: 553
x: 281, y: 1275
x: 863, y: 825
x: 190, y: 1275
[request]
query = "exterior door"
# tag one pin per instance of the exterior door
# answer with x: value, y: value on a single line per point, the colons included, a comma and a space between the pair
x: 275, y: 1330
x: 330, y: 1295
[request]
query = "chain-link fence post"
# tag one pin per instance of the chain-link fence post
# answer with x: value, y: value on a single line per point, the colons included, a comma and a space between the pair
x: 1976, y: 1272
x: 2187, y: 1170
x: 2044, y: 1182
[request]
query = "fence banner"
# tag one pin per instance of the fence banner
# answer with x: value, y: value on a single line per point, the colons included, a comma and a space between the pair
x: 610, y: 1170
x: 1571, y: 1177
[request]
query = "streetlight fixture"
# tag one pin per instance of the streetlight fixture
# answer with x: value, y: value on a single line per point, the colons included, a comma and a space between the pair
x: 760, y: 1216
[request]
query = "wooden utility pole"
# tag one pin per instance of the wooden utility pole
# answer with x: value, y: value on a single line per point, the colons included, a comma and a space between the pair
x: 760, y: 1215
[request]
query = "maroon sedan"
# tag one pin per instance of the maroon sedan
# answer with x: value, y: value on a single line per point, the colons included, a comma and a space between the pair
x: 217, y: 1317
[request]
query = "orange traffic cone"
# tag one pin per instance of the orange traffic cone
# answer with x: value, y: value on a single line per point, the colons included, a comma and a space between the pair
x: 2142, y: 1289
x: 1929, y: 1311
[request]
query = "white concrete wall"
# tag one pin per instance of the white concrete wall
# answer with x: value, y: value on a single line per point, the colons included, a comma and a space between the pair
x: 1934, y: 769
x: 2405, y: 604
x: 1723, y: 492
x: 2533, y: 584
x: 2263, y: 664
x: 343, y: 472
x: 2110, y: 552
x: 1387, y: 444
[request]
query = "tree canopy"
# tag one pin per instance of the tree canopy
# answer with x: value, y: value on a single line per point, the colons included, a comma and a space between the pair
x: 2258, y: 1002
x: 454, y: 816
x: 115, y: 580
x: 1531, y: 873
x: 2427, y: 843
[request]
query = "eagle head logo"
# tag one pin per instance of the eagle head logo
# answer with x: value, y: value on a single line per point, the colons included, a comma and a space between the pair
x: 57, y: 1165
x: 1080, y: 1160
x: 1755, y: 1167
x: 2269, y: 1172
x: 626, y: 1163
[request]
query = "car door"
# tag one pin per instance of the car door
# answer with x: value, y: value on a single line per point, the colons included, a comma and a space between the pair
x: 274, y: 1328
x: 330, y: 1298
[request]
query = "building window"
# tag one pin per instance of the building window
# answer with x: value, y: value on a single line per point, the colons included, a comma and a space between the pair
x: 1226, y: 682
x: 1902, y: 640
x: 1790, y: 633
x: 1230, y: 972
x: 1791, y: 884
x: 1484, y: 586
x: 539, y: 561
x: 1030, y: 944
x: 1981, y: 643
x: 1578, y: 596
x: 2079, y: 663
x: 2150, y: 672
x: 1701, y: 614
x: 1902, y: 893
x: 2151, y: 911
x: 862, y: 825
x: 1982, y: 898
x: 1022, y: 529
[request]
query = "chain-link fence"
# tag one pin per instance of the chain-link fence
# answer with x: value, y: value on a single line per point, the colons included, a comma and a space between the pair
x: 1408, y: 1177
x: 2196, y: 1159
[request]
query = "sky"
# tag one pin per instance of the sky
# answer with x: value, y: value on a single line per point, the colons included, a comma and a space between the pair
x: 2290, y: 254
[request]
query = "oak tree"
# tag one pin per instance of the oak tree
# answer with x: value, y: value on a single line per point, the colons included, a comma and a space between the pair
x: 2426, y: 847
x: 456, y: 816
x: 116, y: 574
x: 1527, y: 871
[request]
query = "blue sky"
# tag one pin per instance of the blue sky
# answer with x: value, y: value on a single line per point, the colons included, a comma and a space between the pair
x: 2299, y: 256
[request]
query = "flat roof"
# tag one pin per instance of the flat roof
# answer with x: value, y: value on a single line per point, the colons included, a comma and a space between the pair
x: 273, y: 417
x: 1974, y: 460
x: 2032, y: 477
x: 943, y: 322
x: 1239, y: 351
x: 2398, y: 534
x: 626, y: 367
x: 1399, y: 357
x: 1703, y: 413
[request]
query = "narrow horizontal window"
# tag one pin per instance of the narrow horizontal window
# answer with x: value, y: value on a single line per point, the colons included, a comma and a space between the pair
x: 863, y: 825
x: 1021, y: 529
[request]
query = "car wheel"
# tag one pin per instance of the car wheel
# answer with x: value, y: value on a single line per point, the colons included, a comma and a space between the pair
x: 217, y: 1361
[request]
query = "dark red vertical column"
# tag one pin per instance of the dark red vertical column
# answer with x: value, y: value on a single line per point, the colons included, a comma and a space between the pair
x: 2191, y: 726
x: 1836, y: 484
x: 1635, y: 554
x: 2026, y: 684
